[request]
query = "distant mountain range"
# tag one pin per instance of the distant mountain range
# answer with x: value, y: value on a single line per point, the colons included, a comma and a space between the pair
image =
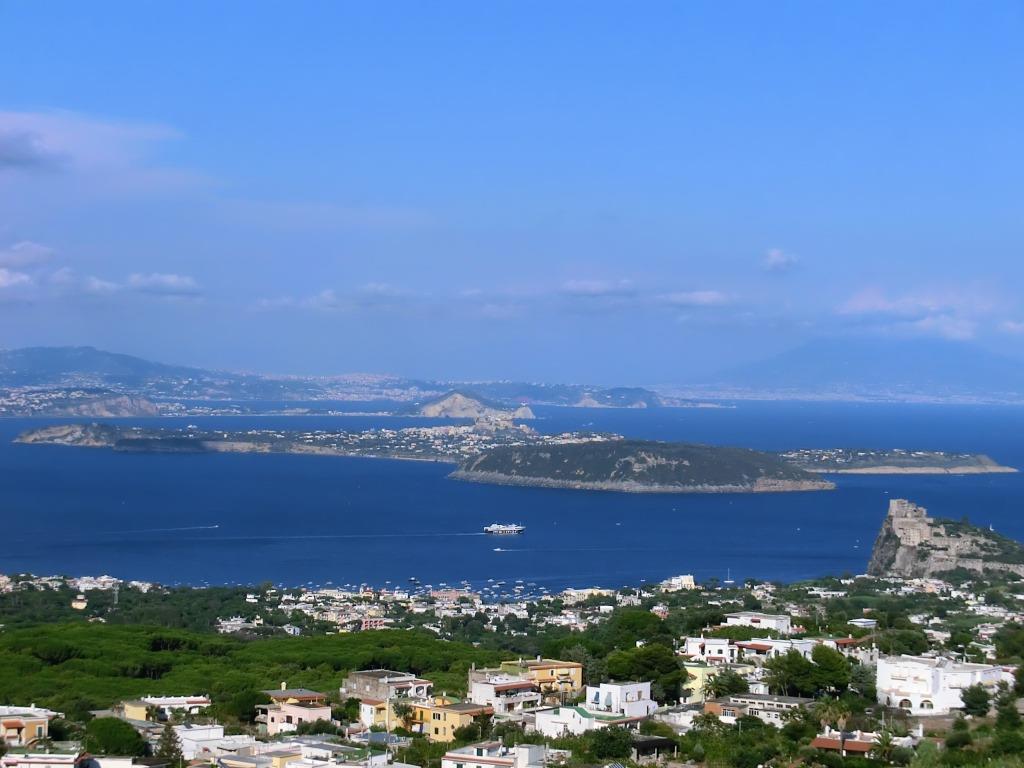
x: 881, y: 369
x: 848, y: 368
x: 110, y: 373
x: 41, y: 366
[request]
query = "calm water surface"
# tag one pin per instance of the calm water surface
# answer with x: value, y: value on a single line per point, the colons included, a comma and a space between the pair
x: 300, y: 519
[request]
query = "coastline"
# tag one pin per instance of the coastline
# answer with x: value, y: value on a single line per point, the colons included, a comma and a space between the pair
x: 886, y: 469
x: 760, y: 486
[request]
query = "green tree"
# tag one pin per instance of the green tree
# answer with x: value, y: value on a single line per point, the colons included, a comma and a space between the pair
x: 959, y: 735
x: 1007, y: 716
x: 831, y: 712
x: 976, y: 700
x: 862, y: 681
x: 403, y: 712
x: 607, y: 743
x: 654, y: 662
x: 169, y: 747
x: 790, y: 674
x: 831, y: 669
x: 110, y: 736
x: 725, y: 683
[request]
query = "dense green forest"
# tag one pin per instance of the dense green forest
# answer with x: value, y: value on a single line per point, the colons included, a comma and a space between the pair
x: 74, y: 668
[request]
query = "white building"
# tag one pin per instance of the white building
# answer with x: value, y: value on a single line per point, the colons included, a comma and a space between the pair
x: 198, y: 739
x: 677, y: 583
x: 630, y: 699
x: 710, y: 650
x: 930, y: 686
x: 505, y: 693
x: 492, y: 754
x: 40, y: 760
x: 608, y: 704
x: 775, y: 621
x: 192, y: 705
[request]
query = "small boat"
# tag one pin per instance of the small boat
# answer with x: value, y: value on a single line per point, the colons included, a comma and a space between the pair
x: 504, y: 529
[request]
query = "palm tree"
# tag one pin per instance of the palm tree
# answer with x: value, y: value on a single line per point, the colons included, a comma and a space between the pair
x: 829, y: 711
x: 884, y: 746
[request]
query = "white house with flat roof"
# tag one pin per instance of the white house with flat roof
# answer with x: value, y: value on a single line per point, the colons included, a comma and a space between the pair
x: 931, y: 686
x: 710, y: 650
x: 493, y: 754
x: 631, y: 699
x: 622, y: 705
x: 41, y: 760
x: 779, y: 622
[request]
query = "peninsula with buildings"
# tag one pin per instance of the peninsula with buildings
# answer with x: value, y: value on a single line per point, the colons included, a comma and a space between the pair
x: 893, y: 461
x: 496, y: 451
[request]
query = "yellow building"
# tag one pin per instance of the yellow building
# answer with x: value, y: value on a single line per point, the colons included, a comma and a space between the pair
x: 700, y: 673
x: 438, y: 719
x: 563, y: 679
x: 24, y: 726
x: 134, y: 710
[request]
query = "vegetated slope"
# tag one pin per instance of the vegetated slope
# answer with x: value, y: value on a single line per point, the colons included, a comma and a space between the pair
x: 638, y: 466
x: 77, y: 667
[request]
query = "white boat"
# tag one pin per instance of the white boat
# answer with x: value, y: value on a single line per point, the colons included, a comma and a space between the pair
x: 504, y: 529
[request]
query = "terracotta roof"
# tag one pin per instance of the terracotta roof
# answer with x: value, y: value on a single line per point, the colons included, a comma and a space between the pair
x: 851, y: 745
x: 822, y: 742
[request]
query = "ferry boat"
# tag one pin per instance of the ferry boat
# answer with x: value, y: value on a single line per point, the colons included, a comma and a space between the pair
x: 504, y: 529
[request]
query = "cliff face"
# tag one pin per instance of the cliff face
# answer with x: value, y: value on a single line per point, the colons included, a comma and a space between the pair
x: 79, y: 435
x: 457, y: 405
x: 109, y: 407
x: 911, y: 544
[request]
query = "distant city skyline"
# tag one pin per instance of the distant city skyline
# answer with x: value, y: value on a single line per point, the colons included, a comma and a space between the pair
x: 574, y: 192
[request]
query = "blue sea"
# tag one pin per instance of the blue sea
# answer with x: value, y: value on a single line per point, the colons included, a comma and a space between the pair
x: 303, y: 520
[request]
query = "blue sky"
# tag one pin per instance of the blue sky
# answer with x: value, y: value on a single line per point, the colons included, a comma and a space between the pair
x: 610, y: 192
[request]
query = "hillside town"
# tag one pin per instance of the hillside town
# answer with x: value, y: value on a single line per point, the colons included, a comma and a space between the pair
x: 900, y: 674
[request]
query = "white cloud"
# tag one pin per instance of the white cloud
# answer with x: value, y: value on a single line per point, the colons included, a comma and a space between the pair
x: 872, y: 301
x: 164, y: 284
x: 597, y: 288
x: 9, y: 278
x: 946, y: 326
x: 777, y: 260
x: 696, y: 298
x: 59, y: 138
x: 25, y: 254
x: 950, y: 314
x: 97, y: 285
x: 1013, y: 327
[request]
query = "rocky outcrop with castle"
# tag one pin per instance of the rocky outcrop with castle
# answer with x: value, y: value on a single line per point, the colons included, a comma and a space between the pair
x: 913, y: 545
